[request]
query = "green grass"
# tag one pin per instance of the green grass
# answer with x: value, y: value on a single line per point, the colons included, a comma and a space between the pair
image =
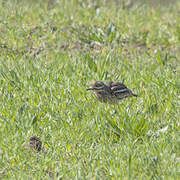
x: 50, y: 51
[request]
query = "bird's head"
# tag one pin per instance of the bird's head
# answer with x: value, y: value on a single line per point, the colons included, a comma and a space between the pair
x: 96, y: 86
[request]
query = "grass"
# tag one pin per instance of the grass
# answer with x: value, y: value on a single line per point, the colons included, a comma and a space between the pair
x: 50, y: 51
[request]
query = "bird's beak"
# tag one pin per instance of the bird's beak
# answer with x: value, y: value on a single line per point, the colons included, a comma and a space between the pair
x: 88, y: 89
x: 94, y: 88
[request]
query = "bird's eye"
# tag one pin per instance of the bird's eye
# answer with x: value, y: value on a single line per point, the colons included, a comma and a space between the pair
x: 99, y: 84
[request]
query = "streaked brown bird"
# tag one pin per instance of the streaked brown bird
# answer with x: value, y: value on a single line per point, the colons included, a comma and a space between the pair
x: 110, y: 92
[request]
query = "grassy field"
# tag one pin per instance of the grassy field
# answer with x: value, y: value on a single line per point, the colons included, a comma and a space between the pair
x: 50, y: 51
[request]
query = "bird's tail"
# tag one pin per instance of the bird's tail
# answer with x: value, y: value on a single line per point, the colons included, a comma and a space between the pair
x: 135, y: 95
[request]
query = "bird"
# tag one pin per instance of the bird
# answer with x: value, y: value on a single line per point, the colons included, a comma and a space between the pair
x: 110, y: 92
x: 34, y: 144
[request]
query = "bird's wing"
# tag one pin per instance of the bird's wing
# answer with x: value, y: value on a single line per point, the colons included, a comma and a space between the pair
x: 117, y: 86
x: 119, y: 90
